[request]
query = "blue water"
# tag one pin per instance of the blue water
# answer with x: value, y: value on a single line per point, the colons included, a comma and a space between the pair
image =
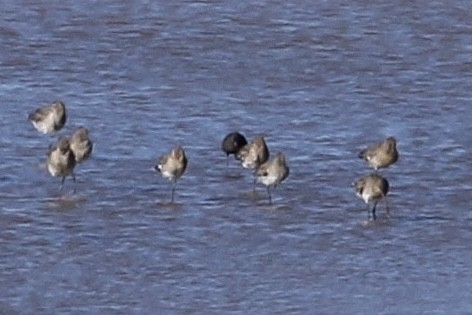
x: 321, y: 80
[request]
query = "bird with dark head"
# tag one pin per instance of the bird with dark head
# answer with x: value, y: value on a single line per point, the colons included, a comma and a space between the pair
x: 232, y: 143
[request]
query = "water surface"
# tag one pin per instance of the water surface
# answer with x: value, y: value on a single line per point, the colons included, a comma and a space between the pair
x: 320, y: 80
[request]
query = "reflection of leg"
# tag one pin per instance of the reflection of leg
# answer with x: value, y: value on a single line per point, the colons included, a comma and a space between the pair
x: 270, y: 197
x: 254, y: 188
x: 62, y: 183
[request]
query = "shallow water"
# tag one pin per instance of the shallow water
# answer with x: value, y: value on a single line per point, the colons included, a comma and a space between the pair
x: 319, y: 80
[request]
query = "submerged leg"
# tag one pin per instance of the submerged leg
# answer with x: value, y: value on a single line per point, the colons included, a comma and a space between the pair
x: 62, y: 183
x: 368, y: 212
x: 254, y: 187
x: 386, y: 207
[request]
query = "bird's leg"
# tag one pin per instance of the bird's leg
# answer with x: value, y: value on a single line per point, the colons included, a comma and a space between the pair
x: 174, y: 184
x: 270, y: 197
x: 373, y: 211
x: 75, y: 183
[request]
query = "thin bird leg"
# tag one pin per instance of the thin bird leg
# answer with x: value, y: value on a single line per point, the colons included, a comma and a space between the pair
x: 254, y: 188
x: 73, y: 178
x: 270, y: 197
x: 174, y: 184
x: 373, y: 211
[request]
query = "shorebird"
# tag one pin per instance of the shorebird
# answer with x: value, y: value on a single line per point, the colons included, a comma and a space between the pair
x: 381, y: 155
x: 61, y: 161
x: 254, y: 154
x: 232, y: 143
x: 372, y: 188
x: 273, y: 172
x: 81, y: 144
x: 50, y: 118
x: 172, y: 166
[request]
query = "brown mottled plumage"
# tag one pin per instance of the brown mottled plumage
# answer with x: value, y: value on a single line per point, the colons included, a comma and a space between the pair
x: 381, y: 155
x: 273, y: 172
x: 61, y: 161
x: 81, y: 144
x: 49, y: 119
x: 172, y: 166
x: 254, y: 154
x: 372, y: 188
